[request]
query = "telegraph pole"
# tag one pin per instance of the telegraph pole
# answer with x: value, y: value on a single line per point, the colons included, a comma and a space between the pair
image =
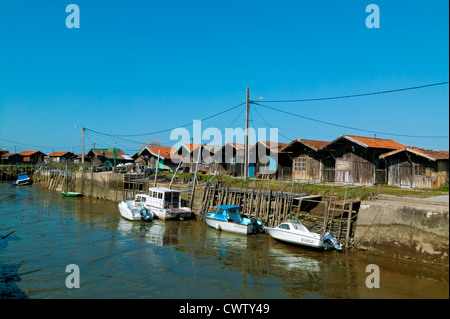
x: 82, y: 145
x: 246, y: 162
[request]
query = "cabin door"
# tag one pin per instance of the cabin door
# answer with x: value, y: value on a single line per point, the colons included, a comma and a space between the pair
x: 251, y: 170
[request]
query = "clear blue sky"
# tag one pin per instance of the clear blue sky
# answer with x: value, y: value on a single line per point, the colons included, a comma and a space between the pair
x: 142, y: 66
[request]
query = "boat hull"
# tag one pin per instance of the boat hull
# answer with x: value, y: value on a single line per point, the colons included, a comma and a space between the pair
x: 128, y: 211
x: 176, y: 213
x: 296, y: 239
x: 71, y: 194
x: 228, y: 226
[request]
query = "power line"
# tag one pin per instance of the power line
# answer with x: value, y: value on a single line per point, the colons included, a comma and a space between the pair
x: 357, y: 95
x: 344, y: 126
x: 170, y: 129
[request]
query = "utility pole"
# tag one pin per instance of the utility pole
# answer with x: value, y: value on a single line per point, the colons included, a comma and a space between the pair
x: 82, y: 145
x: 246, y: 162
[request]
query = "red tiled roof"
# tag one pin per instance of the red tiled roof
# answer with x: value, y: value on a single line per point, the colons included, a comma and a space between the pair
x: 373, y: 142
x: 273, y: 146
x: 430, y: 154
x: 9, y: 154
x: 435, y: 154
x: 57, y: 154
x: 164, y: 152
x: 28, y: 153
x: 313, y: 144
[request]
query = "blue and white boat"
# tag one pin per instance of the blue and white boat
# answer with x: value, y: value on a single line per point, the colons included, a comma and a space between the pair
x: 229, y: 218
x: 22, y: 179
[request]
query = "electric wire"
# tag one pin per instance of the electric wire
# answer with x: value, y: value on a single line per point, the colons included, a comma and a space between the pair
x: 358, y: 95
x: 345, y: 126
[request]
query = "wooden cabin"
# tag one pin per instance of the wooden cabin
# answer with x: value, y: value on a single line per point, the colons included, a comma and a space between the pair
x: 32, y: 157
x: 306, y: 159
x: 355, y: 159
x: 167, y: 159
x: 266, y: 160
x: 12, y: 158
x: 229, y: 160
x: 108, y: 156
x: 61, y: 157
x: 413, y: 167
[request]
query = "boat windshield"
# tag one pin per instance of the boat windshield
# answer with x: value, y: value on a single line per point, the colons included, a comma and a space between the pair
x: 220, y: 211
x: 233, y: 215
x: 172, y: 199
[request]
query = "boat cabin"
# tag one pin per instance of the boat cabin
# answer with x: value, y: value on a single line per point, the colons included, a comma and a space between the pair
x: 230, y: 213
x: 164, y: 198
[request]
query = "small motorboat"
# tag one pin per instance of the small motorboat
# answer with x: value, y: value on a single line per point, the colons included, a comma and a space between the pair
x: 295, y: 232
x: 229, y: 218
x: 71, y: 194
x: 135, y: 208
x: 22, y: 179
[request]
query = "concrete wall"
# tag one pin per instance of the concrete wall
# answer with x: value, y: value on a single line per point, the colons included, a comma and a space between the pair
x: 405, y: 228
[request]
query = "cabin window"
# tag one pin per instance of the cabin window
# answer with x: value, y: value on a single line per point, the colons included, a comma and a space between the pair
x: 300, y: 164
x: 284, y: 226
x: 220, y: 211
x: 172, y: 198
x: 419, y: 169
x: 233, y: 215
x: 160, y: 195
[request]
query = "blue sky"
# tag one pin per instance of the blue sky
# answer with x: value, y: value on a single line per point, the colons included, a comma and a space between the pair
x: 135, y: 67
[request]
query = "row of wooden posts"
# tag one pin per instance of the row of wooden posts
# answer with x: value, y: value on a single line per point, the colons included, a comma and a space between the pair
x: 274, y: 207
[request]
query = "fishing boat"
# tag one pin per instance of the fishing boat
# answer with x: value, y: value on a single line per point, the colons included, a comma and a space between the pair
x: 135, y: 208
x: 294, y: 232
x: 71, y: 194
x: 22, y: 179
x: 165, y: 203
x: 229, y: 218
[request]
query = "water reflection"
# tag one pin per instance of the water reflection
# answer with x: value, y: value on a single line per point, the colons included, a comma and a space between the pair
x: 173, y: 259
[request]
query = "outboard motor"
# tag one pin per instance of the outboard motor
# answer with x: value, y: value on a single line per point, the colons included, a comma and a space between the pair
x: 329, y: 239
x: 257, y: 228
x: 145, y: 215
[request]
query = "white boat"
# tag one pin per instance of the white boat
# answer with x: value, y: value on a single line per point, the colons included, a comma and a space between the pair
x: 296, y: 233
x: 229, y: 218
x: 165, y: 203
x: 135, y: 208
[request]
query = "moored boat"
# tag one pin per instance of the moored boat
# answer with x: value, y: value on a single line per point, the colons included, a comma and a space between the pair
x: 22, y: 179
x: 165, y: 203
x: 135, y: 208
x: 229, y: 218
x: 296, y: 233
x: 71, y: 194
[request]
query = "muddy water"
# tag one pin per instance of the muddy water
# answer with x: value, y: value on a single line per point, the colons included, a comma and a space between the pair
x: 45, y: 232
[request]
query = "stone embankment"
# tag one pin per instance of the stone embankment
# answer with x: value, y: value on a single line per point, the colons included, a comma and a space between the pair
x: 405, y: 228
